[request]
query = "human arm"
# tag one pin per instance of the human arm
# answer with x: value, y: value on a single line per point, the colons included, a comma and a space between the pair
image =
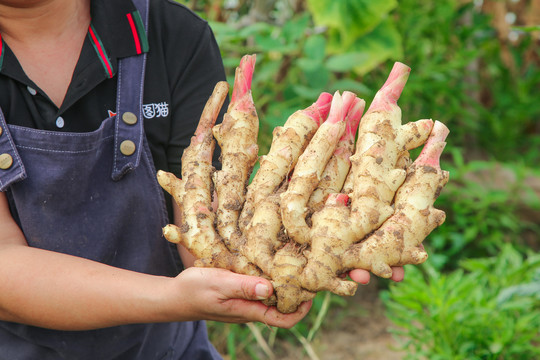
x: 58, y: 291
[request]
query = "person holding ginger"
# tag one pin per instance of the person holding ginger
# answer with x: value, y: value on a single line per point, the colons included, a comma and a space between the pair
x: 95, y: 96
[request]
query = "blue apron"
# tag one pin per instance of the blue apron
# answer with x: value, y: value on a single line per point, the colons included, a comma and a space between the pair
x: 95, y: 195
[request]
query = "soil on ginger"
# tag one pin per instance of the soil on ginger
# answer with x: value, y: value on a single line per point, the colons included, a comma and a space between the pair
x: 358, y: 331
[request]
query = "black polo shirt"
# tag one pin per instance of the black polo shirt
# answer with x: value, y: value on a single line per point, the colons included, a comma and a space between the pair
x: 183, y: 66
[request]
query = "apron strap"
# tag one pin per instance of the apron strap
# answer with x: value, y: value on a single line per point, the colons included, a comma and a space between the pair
x: 11, y: 166
x: 129, y: 130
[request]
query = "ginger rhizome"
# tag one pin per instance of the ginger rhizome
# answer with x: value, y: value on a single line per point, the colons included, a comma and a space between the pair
x: 321, y: 203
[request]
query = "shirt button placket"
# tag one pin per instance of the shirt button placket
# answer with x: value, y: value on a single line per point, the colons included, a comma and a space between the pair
x: 31, y: 90
x: 60, y: 122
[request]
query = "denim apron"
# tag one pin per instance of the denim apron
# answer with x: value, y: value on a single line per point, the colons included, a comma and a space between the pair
x: 95, y: 195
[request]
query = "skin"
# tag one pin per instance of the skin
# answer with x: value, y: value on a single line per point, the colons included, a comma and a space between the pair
x: 42, y: 29
x: 35, y: 287
x: 362, y: 276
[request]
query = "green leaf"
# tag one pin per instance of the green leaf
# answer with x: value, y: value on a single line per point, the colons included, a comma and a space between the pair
x: 347, y: 61
x: 306, y: 92
x: 352, y: 18
x: 315, y: 47
x: 266, y: 43
x: 527, y: 28
x: 294, y: 29
x: 351, y: 85
x: 528, y: 290
x: 382, y: 44
x: 254, y: 29
x: 495, y: 347
x: 309, y: 65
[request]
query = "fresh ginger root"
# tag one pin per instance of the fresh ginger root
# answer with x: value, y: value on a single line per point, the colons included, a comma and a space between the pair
x: 320, y: 204
x: 237, y: 137
x: 193, y: 194
x: 289, y: 141
x: 310, y: 166
x: 398, y: 241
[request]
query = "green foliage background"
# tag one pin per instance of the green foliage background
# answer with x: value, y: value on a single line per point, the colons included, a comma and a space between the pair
x: 484, y: 87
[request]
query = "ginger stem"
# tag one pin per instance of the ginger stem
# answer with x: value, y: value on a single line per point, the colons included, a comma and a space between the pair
x: 237, y: 137
x: 288, y: 143
x: 308, y: 170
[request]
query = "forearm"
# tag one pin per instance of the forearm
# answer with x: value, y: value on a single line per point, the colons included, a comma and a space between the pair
x: 59, y: 291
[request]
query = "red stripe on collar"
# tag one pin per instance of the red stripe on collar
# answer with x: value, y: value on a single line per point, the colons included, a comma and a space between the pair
x: 135, y: 33
x: 98, y: 46
x: 138, y: 31
x: 1, y: 51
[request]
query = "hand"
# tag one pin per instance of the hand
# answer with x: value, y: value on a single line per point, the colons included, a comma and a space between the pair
x: 221, y: 295
x: 362, y: 276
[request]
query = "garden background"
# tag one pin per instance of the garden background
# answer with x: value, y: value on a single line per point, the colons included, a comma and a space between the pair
x: 475, y: 67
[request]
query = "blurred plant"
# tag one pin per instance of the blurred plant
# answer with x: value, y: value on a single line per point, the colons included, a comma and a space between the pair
x: 484, y: 202
x: 360, y: 33
x: 487, y: 309
x: 460, y: 77
x: 303, y: 53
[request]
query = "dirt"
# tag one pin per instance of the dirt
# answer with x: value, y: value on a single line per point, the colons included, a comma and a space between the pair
x: 358, y: 331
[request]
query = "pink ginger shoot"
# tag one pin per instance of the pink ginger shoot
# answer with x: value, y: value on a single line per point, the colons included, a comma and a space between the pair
x: 434, y: 146
x: 320, y: 109
x: 354, y: 114
x: 390, y: 92
x: 241, y: 99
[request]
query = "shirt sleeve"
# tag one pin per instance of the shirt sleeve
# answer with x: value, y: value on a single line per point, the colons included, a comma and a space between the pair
x: 196, y: 80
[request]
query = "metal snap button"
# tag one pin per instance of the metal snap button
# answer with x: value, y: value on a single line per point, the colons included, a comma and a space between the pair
x: 129, y: 118
x: 127, y: 147
x: 1, y: 130
x: 5, y: 161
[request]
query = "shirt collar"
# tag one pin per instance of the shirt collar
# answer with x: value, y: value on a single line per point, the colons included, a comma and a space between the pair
x: 116, y: 31
x: 121, y: 27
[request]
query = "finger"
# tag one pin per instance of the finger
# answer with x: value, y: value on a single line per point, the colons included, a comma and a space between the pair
x: 242, y: 311
x: 361, y: 276
x: 237, y: 286
x: 273, y: 317
x: 398, y: 273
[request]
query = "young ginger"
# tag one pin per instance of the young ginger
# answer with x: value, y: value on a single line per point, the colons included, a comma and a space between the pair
x: 339, y: 211
x: 399, y: 240
x: 193, y: 194
x: 237, y: 137
x: 382, y: 142
x: 337, y: 168
x: 310, y: 166
x: 288, y: 142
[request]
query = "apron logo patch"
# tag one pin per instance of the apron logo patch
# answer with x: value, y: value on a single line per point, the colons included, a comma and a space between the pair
x: 153, y: 110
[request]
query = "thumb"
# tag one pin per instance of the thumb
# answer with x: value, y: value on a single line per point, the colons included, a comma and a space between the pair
x: 246, y: 287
